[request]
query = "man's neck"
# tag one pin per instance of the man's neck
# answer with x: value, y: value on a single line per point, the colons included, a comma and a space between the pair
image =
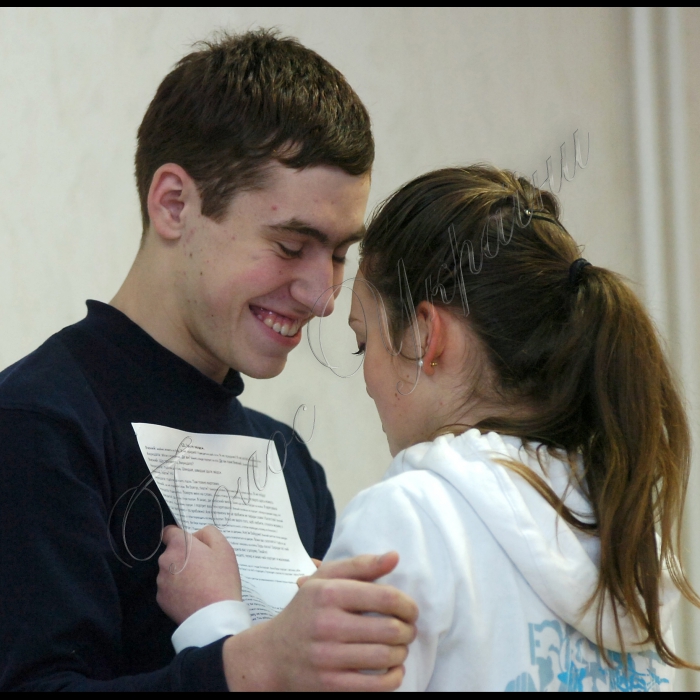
x: 148, y: 297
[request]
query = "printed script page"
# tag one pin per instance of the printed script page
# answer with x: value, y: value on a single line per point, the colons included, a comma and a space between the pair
x: 236, y: 483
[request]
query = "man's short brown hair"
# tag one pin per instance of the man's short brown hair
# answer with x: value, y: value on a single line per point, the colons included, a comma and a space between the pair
x: 238, y: 103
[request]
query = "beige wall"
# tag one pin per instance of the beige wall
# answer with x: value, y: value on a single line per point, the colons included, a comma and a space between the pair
x: 444, y: 86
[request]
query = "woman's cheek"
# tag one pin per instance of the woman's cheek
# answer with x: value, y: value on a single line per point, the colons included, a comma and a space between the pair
x: 377, y: 381
x: 368, y: 379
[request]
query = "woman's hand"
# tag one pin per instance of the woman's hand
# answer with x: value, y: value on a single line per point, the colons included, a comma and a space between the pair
x: 195, y: 575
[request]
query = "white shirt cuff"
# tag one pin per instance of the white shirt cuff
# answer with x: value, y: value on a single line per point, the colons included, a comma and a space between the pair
x: 213, y: 622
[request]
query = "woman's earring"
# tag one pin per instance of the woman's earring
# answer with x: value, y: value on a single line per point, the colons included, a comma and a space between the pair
x: 420, y: 363
x: 433, y: 364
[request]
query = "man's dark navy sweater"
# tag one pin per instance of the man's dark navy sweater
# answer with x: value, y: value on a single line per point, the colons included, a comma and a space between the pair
x: 72, y: 616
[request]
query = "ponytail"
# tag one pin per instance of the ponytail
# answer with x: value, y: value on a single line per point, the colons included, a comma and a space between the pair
x: 636, y: 450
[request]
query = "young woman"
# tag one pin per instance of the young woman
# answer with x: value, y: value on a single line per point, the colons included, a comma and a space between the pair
x: 539, y: 440
x: 541, y: 451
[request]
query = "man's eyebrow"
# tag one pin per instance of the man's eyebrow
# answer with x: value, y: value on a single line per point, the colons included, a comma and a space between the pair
x: 305, y: 229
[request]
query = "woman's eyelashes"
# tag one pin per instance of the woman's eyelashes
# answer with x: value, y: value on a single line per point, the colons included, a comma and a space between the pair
x: 360, y: 349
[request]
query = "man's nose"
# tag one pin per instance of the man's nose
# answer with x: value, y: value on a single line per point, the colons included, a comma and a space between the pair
x: 314, y: 286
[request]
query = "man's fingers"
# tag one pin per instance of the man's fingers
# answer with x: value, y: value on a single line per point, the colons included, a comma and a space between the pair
x: 212, y: 537
x: 351, y: 628
x: 366, y: 567
x: 178, y: 549
x: 359, y: 656
x: 170, y: 533
x: 359, y: 596
x: 355, y: 681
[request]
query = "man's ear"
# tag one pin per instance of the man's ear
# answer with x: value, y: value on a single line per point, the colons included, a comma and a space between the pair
x: 171, y: 195
x: 433, y: 335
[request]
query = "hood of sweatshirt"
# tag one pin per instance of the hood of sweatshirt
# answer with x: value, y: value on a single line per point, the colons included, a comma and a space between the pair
x: 559, y: 562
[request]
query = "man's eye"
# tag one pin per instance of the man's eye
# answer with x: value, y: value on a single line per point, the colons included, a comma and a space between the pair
x: 290, y: 253
x: 360, y: 349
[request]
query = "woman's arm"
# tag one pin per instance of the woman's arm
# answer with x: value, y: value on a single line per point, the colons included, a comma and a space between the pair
x: 395, y: 515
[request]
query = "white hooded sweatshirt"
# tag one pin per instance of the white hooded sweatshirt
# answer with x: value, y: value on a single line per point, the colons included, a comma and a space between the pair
x: 500, y: 580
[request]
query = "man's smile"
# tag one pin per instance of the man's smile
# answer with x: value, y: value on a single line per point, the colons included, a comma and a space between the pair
x: 278, y: 323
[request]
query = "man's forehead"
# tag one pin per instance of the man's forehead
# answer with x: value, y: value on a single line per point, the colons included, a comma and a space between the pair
x: 318, y: 194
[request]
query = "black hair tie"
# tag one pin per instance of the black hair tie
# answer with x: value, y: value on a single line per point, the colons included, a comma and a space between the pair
x: 575, y: 272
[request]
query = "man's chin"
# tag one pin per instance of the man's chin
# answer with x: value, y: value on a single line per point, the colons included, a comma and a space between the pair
x: 264, y: 370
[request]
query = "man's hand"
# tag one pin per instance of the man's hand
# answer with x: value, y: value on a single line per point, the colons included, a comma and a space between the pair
x: 320, y: 641
x: 196, y: 574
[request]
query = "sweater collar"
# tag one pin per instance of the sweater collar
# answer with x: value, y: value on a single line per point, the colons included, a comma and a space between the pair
x: 119, y: 329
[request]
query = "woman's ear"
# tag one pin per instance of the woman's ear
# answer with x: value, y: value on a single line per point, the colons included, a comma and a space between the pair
x: 432, y: 331
x: 171, y: 191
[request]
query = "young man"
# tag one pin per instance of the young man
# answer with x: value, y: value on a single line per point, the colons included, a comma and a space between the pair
x: 252, y: 167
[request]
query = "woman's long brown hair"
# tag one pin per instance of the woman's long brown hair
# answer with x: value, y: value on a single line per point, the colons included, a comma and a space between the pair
x: 581, y: 353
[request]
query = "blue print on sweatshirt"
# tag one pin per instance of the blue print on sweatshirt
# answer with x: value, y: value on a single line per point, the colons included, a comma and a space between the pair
x: 567, y: 661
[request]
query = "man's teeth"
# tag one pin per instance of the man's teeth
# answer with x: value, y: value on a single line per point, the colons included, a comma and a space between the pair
x: 286, y: 327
